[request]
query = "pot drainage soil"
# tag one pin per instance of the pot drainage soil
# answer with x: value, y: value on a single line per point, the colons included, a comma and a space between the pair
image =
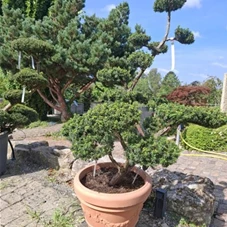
x: 100, y: 182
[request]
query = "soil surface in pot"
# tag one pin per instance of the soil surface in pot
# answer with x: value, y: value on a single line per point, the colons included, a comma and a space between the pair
x: 100, y: 182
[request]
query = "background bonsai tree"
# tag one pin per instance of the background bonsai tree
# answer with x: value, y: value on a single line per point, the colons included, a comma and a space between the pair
x: 18, y: 116
x: 93, y: 136
x: 68, y: 51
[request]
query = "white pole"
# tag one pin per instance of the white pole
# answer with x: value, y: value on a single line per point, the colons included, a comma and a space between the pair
x: 23, y: 94
x: 172, y: 56
x: 19, y: 59
x: 178, y: 136
x: 224, y: 95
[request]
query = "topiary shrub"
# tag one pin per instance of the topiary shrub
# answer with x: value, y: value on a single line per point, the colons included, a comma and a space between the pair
x: 94, y: 133
x: 22, y: 115
x: 172, y: 115
x: 4, y: 120
x: 206, y: 116
x: 206, y: 138
x: 13, y: 96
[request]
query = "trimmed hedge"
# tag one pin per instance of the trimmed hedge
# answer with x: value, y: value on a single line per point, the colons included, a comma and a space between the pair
x: 206, y: 138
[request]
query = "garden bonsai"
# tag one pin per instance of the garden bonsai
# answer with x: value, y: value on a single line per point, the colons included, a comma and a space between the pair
x: 94, y: 133
x: 17, y: 116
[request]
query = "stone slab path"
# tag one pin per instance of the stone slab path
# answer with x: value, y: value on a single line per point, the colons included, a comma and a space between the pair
x: 30, y: 195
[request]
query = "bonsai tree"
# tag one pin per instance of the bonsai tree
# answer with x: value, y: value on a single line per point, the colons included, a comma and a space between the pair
x: 18, y: 116
x: 93, y: 136
x: 69, y: 51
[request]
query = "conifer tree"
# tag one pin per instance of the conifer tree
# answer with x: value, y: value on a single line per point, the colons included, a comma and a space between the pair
x: 71, y: 50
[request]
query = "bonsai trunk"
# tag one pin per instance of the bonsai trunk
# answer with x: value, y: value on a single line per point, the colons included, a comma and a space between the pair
x: 65, y: 115
x: 122, y: 169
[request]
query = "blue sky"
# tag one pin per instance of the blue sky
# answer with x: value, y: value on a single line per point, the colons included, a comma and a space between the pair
x: 207, y: 56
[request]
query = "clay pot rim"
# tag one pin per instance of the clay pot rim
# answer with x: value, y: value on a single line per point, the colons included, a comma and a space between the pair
x: 117, y: 198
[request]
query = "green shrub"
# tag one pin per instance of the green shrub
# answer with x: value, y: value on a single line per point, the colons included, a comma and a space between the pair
x: 3, y: 103
x: 4, y: 119
x: 151, y: 151
x: 94, y: 133
x: 38, y: 124
x: 206, y: 138
x: 23, y: 115
x: 14, y: 96
x: 173, y: 114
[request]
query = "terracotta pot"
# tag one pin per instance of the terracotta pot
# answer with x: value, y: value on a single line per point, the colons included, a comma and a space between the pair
x: 111, y: 210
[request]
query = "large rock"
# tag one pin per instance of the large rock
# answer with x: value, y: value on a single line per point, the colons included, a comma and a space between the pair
x: 39, y: 153
x: 65, y: 159
x: 56, y: 157
x: 189, y: 196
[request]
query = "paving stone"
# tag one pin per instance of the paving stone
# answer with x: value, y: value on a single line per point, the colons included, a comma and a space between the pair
x: 12, y: 198
x: 33, y: 191
x: 11, y: 213
x: 3, y: 204
x: 23, y: 220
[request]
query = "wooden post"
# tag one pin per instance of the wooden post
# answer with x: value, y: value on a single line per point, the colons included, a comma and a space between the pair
x: 224, y: 95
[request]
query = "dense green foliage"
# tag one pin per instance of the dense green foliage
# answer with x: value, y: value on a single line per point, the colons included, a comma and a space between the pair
x: 36, y: 9
x: 215, y: 86
x: 169, y: 83
x: 206, y: 138
x: 94, y: 133
x: 165, y: 5
x: 22, y: 115
x: 13, y: 96
x: 3, y: 84
x: 4, y: 119
x: 72, y: 50
x: 18, y: 116
x: 112, y: 95
x: 171, y: 114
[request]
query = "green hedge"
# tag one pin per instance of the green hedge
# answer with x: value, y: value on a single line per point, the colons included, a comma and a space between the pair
x: 206, y: 138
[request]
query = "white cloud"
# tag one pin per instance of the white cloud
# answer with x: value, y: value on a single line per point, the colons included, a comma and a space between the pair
x: 220, y: 65
x: 193, y: 3
x: 201, y: 75
x: 163, y: 70
x: 167, y: 70
x: 147, y: 70
x: 108, y: 8
x: 196, y: 34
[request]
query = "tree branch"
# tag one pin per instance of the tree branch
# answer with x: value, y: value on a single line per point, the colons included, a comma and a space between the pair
x: 116, y: 164
x: 136, y: 80
x: 140, y: 130
x: 167, y: 31
x: 82, y: 89
x: 53, y: 96
x: 47, y: 101
x: 162, y: 131
x: 66, y: 85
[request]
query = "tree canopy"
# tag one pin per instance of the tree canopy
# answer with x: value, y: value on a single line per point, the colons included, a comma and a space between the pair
x: 69, y: 50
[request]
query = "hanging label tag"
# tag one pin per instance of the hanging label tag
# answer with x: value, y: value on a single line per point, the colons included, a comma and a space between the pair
x: 23, y: 94
x: 19, y: 59
x: 33, y: 63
